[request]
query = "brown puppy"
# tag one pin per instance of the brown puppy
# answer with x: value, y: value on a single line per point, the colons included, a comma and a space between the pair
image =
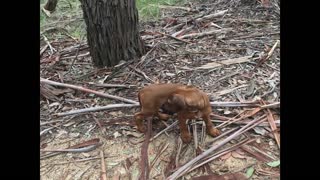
x: 187, y: 101
x: 190, y: 103
x: 151, y: 98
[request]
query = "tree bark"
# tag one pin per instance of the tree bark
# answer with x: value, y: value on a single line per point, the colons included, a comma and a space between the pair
x: 112, y: 31
x: 51, y: 5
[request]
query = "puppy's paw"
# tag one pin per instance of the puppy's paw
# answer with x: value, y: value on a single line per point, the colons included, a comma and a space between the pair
x: 214, y: 132
x: 186, y: 138
x: 142, y: 129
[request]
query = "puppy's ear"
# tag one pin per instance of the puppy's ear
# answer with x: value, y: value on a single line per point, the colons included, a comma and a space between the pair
x: 178, y: 101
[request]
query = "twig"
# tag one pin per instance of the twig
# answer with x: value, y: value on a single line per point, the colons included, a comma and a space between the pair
x: 92, y: 109
x: 144, y: 163
x: 84, y: 149
x: 265, y: 58
x: 273, y: 105
x: 103, y: 167
x: 178, y: 152
x: 74, y: 60
x: 80, y: 145
x: 205, y: 33
x: 48, y: 43
x: 273, y: 127
x: 173, y: 124
x: 220, y: 153
x: 234, y: 104
x: 195, y: 134
x: 113, y: 85
x: 182, y: 31
x: 210, y: 16
x: 46, y: 130
x: 143, y: 58
x: 161, y: 150
x: 175, y: 38
x: 143, y: 74
x: 245, y: 128
x: 44, y: 49
x: 266, y: 154
x: 87, y: 90
x: 215, y: 64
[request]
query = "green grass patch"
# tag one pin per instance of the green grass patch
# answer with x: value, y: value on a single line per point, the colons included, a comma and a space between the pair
x: 68, y: 15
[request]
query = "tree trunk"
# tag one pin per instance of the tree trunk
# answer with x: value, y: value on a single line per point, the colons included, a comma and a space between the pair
x: 112, y: 31
x: 51, y: 5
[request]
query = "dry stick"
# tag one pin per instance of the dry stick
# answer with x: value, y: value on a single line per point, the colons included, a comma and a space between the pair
x: 103, y: 167
x: 144, y: 164
x: 178, y: 151
x: 84, y: 149
x: 113, y: 85
x: 77, y: 161
x: 112, y: 106
x: 272, y: 49
x: 273, y: 127
x: 234, y: 104
x: 273, y: 105
x: 210, y: 16
x: 143, y: 74
x: 171, y: 125
x: 222, y: 152
x: 48, y: 43
x: 205, y: 33
x: 74, y: 60
x: 236, y: 120
x: 44, y: 49
x: 207, y: 152
x: 195, y: 135
x: 182, y: 31
x: 92, y: 109
x: 87, y: 90
x: 175, y: 38
x: 162, y: 149
x: 268, y: 55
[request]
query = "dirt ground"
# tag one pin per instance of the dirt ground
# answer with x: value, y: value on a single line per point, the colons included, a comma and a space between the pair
x: 239, y: 62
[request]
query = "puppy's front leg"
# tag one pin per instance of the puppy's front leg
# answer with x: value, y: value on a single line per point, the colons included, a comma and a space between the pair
x: 211, y: 130
x: 185, y: 135
x: 139, y: 122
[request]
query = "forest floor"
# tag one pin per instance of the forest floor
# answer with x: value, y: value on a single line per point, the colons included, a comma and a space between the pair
x: 228, y: 48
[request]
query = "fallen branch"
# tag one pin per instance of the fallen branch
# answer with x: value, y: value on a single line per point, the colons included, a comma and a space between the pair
x: 234, y: 104
x: 44, y: 49
x: 205, y: 33
x: 185, y: 167
x: 210, y: 16
x: 143, y: 74
x: 103, y: 167
x: 80, y: 145
x: 212, y: 65
x: 273, y: 105
x: 114, y: 106
x: 175, y: 38
x: 113, y: 85
x: 87, y: 90
x: 144, y: 163
x: 84, y: 149
x: 173, y: 124
x: 92, y: 109
x: 48, y: 43
x: 273, y: 127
